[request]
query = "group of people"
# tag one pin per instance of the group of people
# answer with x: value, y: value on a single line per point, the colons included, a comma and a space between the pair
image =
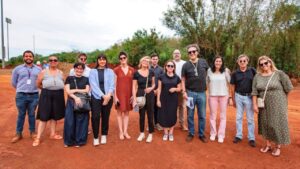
x: 166, y: 90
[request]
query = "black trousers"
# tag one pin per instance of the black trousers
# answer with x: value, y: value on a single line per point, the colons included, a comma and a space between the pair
x: 149, y: 108
x: 100, y: 112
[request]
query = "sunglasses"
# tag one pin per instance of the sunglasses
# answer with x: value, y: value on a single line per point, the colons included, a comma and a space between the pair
x: 122, y: 58
x: 53, y: 60
x: 171, y: 66
x: 243, y: 61
x: 192, y: 51
x: 265, y: 63
x: 83, y: 59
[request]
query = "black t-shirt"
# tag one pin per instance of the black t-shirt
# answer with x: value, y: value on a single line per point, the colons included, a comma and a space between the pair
x: 157, y: 72
x: 141, y: 81
x: 101, y: 79
x: 243, y: 80
x: 194, y: 82
x: 169, y: 82
x: 81, y: 82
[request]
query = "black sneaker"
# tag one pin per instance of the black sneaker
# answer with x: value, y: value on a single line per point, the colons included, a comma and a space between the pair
x: 203, y: 139
x: 236, y: 140
x: 189, y: 138
x: 252, y: 143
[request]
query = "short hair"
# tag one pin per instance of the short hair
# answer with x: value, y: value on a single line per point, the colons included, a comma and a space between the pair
x: 101, y: 56
x: 122, y: 53
x: 141, y: 60
x: 154, y: 55
x: 193, y: 45
x: 241, y: 56
x: 273, y: 67
x: 28, y: 51
x: 78, y: 64
x: 81, y: 54
x: 213, y: 67
x: 167, y: 64
x: 53, y: 56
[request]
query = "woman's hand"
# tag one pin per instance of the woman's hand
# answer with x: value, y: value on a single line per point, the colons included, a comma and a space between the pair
x: 172, y: 90
x: 185, y: 96
x: 230, y: 102
x: 78, y: 101
x: 106, y: 99
x: 116, y: 100
x: 158, y: 103
x: 148, y: 90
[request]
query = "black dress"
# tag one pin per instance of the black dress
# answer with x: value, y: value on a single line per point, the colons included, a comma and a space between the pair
x: 167, y: 115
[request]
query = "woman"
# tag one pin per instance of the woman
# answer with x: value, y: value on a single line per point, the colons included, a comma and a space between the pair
x: 52, y: 102
x: 76, y: 123
x: 169, y: 84
x: 272, y: 119
x: 143, y: 75
x: 102, y: 82
x: 218, y: 79
x: 123, y: 94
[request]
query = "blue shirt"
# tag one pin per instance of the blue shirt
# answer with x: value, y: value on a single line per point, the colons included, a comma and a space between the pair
x: 24, y: 78
x: 109, y: 83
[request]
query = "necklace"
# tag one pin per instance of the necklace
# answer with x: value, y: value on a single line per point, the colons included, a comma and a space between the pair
x: 195, y: 68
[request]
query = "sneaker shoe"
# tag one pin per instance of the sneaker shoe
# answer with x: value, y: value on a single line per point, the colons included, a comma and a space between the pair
x: 96, y: 142
x: 141, y: 137
x: 16, y: 138
x: 236, y: 140
x: 212, y: 138
x: 158, y: 127
x: 220, y: 140
x: 149, y: 138
x: 103, y: 139
x: 165, y: 137
x: 171, y: 137
x: 252, y: 143
x: 189, y: 138
x: 203, y: 139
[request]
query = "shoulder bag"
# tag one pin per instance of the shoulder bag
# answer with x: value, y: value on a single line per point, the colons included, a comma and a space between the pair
x: 261, y: 101
x: 85, y: 101
x: 141, y: 100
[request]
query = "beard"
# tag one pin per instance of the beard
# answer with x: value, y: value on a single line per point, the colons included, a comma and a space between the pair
x: 28, y: 61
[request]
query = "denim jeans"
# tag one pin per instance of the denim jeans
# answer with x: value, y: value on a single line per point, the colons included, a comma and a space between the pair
x: 199, y: 99
x: 244, y: 103
x: 26, y: 103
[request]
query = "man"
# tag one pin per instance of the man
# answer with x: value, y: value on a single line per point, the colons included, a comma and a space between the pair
x: 24, y: 81
x: 241, y: 84
x: 193, y: 78
x: 179, y: 63
x: 157, y: 72
x: 82, y: 58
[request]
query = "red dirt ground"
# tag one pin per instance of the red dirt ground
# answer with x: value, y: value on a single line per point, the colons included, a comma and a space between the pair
x: 117, y: 154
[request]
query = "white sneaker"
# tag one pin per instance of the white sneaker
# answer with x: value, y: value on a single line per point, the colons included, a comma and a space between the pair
x: 96, y: 142
x: 103, y: 139
x: 149, y: 138
x: 165, y: 137
x: 212, y: 138
x: 141, y: 137
x: 171, y: 137
x: 220, y: 140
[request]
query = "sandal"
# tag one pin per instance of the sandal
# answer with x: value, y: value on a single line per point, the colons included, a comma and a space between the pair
x: 56, y: 137
x: 276, y: 152
x: 36, y: 142
x: 266, y: 149
x: 127, y: 136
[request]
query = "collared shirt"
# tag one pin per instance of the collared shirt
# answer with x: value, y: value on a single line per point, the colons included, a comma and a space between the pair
x: 86, y: 72
x: 157, y: 72
x: 179, y: 65
x: 243, y: 80
x: 24, y: 78
x: 109, y: 83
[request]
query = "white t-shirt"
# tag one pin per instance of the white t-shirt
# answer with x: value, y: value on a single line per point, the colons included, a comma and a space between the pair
x: 86, y: 72
x: 179, y: 65
x: 218, y: 82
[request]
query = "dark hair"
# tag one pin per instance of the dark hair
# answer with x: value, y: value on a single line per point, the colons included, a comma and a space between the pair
x: 101, y: 56
x: 122, y: 53
x: 28, y: 51
x: 154, y: 55
x: 167, y: 64
x: 213, y: 67
x: 78, y: 64
x: 81, y: 54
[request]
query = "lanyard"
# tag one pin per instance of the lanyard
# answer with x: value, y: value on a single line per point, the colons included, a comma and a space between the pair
x: 29, y: 72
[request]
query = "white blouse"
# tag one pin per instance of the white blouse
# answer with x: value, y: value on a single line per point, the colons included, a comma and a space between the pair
x: 218, y: 83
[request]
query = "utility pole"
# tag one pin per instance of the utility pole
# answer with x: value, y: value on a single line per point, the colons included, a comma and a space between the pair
x: 2, y: 37
x: 8, y: 21
x: 33, y: 40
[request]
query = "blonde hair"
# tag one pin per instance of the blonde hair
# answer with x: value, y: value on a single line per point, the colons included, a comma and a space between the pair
x: 144, y: 58
x: 273, y: 67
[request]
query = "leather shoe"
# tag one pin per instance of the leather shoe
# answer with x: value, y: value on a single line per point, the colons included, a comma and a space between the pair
x: 189, y: 138
x: 203, y: 139
x: 16, y: 138
x: 252, y: 143
x: 236, y: 140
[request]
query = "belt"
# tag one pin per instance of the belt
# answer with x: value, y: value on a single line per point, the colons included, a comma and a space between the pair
x: 244, y: 94
x: 29, y: 93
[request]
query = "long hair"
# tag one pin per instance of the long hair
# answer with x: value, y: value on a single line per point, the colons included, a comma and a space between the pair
x: 141, y: 60
x: 213, y: 67
x: 101, y: 56
x: 273, y: 67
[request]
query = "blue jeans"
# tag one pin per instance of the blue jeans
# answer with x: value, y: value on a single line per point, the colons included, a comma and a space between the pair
x: 244, y: 103
x: 199, y: 99
x: 26, y: 103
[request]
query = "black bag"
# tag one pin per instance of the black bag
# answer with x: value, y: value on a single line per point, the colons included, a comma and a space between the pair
x: 85, y: 101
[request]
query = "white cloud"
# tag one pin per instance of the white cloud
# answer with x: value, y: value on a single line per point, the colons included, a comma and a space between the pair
x: 76, y: 24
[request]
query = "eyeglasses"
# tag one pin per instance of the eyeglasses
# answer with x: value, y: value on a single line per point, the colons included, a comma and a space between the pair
x: 171, y: 66
x: 192, y: 51
x: 83, y: 59
x: 122, y: 58
x: 243, y: 61
x: 53, y: 60
x: 265, y: 63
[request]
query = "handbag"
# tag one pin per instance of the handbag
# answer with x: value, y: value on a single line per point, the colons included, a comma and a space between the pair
x: 85, y: 101
x: 261, y: 101
x: 141, y: 100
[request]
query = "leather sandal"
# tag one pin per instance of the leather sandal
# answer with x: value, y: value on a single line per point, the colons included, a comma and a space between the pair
x: 36, y: 142
x: 266, y: 149
x: 276, y: 152
x: 56, y: 137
